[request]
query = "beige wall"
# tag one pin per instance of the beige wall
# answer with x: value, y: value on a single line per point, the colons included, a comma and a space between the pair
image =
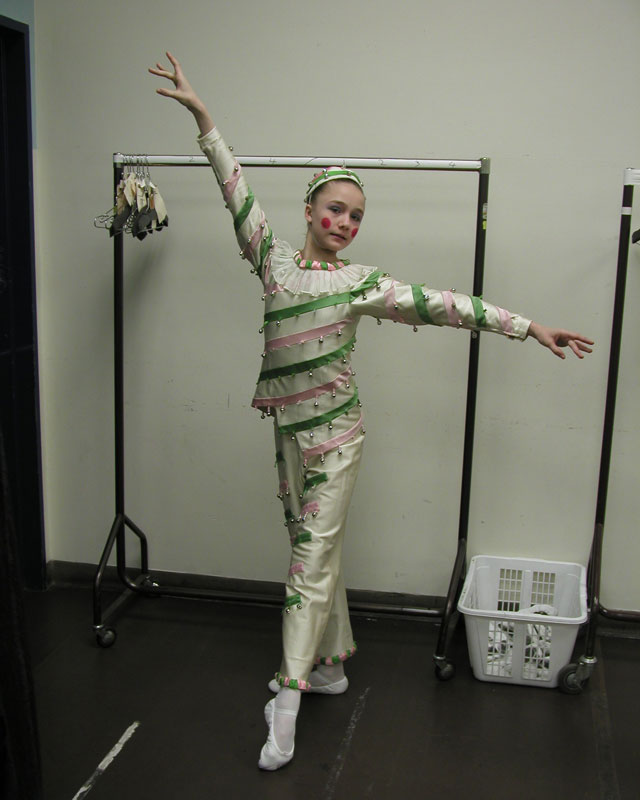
x: 546, y: 90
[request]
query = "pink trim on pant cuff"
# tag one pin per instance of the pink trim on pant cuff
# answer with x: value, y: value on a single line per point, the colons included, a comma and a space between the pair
x: 330, y: 660
x: 292, y: 683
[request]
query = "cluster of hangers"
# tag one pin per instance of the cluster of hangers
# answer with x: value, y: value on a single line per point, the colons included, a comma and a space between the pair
x: 139, y: 208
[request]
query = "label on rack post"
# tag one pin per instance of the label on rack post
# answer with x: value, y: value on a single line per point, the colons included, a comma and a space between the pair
x: 632, y: 177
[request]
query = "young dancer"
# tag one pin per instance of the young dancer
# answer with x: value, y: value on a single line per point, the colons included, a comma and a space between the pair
x: 313, y: 303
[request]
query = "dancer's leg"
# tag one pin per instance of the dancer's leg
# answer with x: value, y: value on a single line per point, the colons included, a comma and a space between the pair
x: 281, y: 716
x: 316, y: 498
x: 315, y: 605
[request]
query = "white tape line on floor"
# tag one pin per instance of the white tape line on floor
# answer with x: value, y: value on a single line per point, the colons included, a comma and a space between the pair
x: 106, y: 761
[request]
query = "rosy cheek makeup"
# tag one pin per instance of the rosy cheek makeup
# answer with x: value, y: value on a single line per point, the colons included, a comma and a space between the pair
x: 326, y: 223
x: 353, y: 233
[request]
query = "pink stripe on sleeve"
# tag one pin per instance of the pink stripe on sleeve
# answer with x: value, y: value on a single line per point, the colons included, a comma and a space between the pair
x: 272, y: 288
x: 505, y: 320
x: 390, y: 303
x: 229, y: 186
x: 255, y: 239
x: 449, y: 305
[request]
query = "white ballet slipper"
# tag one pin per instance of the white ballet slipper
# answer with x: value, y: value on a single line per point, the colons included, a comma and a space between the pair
x: 337, y: 687
x: 271, y: 756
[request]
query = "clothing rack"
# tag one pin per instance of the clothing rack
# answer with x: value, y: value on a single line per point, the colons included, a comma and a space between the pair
x: 143, y: 583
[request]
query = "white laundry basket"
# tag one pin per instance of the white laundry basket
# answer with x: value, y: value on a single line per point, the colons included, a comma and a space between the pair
x: 522, y: 617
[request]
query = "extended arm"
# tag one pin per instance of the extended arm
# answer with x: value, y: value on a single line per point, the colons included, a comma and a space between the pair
x: 414, y: 304
x: 557, y: 338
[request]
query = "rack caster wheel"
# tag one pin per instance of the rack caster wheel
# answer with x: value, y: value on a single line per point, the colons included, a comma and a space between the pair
x: 105, y: 637
x: 446, y: 671
x: 568, y: 680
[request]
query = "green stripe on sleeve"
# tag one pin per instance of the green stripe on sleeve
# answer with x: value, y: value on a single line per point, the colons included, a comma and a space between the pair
x: 421, y: 303
x: 264, y: 247
x: 244, y: 211
x: 478, y: 311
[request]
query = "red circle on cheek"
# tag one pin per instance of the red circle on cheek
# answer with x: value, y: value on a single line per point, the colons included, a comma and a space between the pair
x: 353, y: 232
x: 326, y: 222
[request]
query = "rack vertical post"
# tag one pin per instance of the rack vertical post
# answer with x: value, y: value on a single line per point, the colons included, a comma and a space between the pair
x: 573, y: 677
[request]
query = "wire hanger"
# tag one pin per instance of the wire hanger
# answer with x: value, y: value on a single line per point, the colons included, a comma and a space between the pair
x: 139, y: 208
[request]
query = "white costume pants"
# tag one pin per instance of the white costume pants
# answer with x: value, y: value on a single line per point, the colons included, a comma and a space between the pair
x: 316, y: 494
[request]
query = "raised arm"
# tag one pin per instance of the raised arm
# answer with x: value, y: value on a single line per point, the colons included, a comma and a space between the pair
x: 253, y: 233
x: 183, y: 93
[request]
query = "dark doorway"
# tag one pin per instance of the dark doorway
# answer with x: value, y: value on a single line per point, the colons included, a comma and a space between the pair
x: 19, y: 400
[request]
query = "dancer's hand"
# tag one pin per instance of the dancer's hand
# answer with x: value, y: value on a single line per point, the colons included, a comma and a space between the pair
x: 557, y: 338
x: 183, y: 92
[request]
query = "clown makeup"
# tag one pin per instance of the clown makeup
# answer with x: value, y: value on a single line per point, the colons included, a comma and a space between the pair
x: 334, y: 216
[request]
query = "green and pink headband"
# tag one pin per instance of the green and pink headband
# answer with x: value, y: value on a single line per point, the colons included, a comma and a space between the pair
x: 331, y: 174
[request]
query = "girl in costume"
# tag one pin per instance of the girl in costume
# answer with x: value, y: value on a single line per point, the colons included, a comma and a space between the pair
x: 313, y: 303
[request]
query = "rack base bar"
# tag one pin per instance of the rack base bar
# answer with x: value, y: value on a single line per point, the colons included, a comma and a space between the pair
x: 619, y: 614
x: 144, y: 585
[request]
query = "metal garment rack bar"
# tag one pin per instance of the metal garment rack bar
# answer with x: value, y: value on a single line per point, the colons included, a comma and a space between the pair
x: 143, y: 583
x: 574, y: 676
x: 442, y: 164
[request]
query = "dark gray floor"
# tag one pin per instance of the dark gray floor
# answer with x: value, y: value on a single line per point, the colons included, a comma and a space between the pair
x: 194, y: 674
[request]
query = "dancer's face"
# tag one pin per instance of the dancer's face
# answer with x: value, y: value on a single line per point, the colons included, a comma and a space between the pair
x: 335, y: 214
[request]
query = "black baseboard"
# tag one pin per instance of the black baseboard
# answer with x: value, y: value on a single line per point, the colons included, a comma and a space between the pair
x: 72, y: 574
x: 427, y: 608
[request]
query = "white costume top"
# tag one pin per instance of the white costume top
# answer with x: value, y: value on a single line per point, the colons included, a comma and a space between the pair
x: 311, y: 316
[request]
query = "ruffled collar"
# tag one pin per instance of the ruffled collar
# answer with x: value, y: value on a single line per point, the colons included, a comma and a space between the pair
x: 284, y: 271
x: 327, y: 266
